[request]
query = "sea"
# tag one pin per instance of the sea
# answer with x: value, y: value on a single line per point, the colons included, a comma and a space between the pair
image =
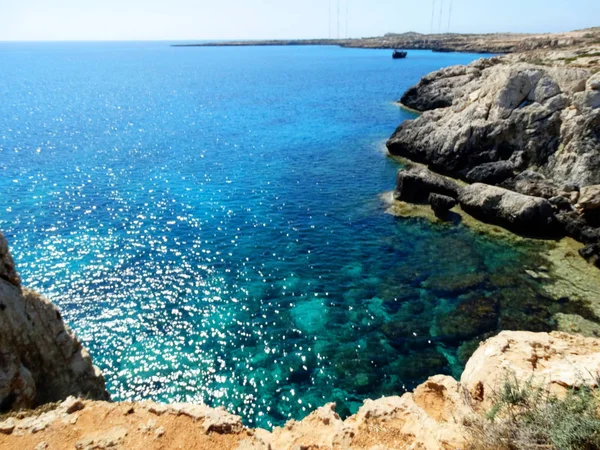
x: 210, y: 223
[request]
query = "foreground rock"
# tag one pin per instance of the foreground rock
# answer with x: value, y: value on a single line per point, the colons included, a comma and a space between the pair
x: 432, y: 417
x: 557, y: 361
x: 514, y: 211
x: 41, y: 360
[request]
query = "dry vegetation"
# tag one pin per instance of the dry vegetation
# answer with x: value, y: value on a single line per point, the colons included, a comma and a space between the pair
x: 526, y: 417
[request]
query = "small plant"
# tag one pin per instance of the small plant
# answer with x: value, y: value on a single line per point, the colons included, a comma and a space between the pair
x: 525, y: 417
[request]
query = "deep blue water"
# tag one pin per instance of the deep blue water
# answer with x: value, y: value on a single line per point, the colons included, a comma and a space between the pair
x: 209, y: 221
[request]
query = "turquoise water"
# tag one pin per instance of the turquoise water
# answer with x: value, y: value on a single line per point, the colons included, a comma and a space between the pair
x: 209, y: 221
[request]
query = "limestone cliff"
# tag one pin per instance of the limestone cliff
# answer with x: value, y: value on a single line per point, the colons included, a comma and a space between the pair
x: 41, y: 360
x: 527, y: 123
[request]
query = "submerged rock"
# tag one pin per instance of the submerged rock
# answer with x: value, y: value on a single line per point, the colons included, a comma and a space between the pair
x: 454, y: 283
x: 473, y: 316
x: 517, y: 212
x: 415, y: 185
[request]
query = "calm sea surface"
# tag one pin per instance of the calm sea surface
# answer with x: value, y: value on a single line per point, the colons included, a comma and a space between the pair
x: 209, y: 222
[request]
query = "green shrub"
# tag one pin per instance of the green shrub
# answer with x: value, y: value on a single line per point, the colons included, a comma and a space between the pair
x: 525, y: 417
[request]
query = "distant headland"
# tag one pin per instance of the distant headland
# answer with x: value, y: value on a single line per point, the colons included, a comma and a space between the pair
x: 447, y: 42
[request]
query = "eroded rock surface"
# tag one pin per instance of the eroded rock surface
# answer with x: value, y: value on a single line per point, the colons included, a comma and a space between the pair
x: 515, y: 211
x: 41, y: 360
x: 557, y: 361
x: 7, y: 265
x: 528, y: 116
x: 528, y: 123
x: 416, y: 184
x: 432, y: 417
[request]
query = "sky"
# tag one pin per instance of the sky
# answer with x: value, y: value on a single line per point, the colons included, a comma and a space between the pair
x: 280, y: 19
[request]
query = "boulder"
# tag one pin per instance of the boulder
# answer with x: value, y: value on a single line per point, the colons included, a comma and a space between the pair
x: 517, y: 212
x: 441, y: 204
x: 589, y: 198
x: 593, y: 83
x: 576, y: 226
x: 415, y: 185
x: 560, y: 203
x: 491, y: 173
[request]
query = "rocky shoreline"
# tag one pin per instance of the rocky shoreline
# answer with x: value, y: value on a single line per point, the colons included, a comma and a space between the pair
x: 520, y: 134
x: 435, y: 416
x: 524, y: 130
x: 448, y: 42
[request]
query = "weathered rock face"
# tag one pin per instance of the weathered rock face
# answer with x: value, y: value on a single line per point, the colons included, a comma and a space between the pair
x: 439, y: 89
x: 7, y: 265
x: 518, y: 212
x: 557, y: 361
x: 545, y: 118
x: 415, y: 185
x: 589, y: 198
x: 41, y: 360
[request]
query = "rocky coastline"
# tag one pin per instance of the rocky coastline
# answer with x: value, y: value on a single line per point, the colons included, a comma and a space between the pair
x: 446, y: 42
x: 524, y: 130
x: 512, y: 140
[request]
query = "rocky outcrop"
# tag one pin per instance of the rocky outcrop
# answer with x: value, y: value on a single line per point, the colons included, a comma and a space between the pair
x: 7, y: 265
x: 432, y: 417
x: 41, y: 360
x: 531, y: 129
x: 416, y: 184
x: 440, y: 89
x: 518, y: 212
x: 556, y: 361
x: 531, y: 117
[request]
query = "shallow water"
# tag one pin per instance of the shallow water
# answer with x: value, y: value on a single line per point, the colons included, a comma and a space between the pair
x: 209, y: 221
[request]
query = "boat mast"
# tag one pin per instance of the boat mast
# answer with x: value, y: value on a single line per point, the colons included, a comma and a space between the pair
x: 449, y: 16
x: 441, y: 13
x: 432, y: 16
x: 329, y: 23
x: 338, y: 19
x: 347, y: 1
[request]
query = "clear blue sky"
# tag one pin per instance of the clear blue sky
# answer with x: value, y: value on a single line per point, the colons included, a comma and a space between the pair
x: 261, y: 19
